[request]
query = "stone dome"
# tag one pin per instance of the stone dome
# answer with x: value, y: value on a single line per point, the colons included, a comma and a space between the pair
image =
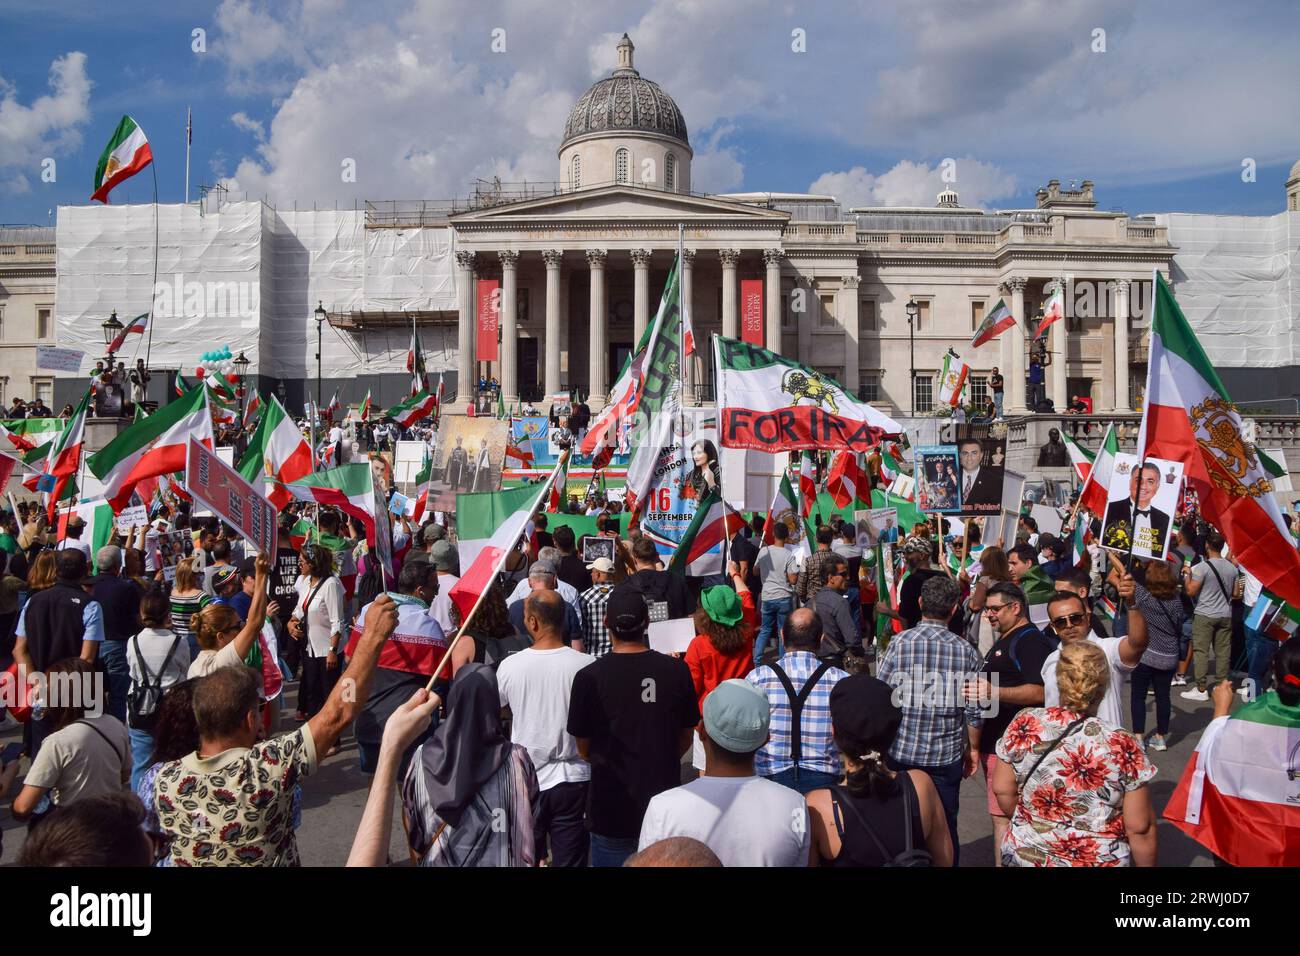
x: 1295, y: 172
x: 623, y: 102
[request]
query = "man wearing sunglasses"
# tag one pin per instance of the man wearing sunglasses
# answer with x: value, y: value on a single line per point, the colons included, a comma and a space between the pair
x: 1072, y: 622
x: 1013, y: 677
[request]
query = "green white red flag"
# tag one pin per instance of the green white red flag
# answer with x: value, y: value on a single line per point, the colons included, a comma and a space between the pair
x: 415, y: 365
x: 64, y: 457
x: 153, y: 446
x: 807, y: 482
x: 277, y: 454
x: 1080, y: 457
x: 125, y: 155
x: 99, y: 519
x: 135, y: 327
x: 769, y: 403
x: 365, y: 407
x: 414, y: 409
x: 846, y: 482
x: 422, y: 481
x: 1236, y: 796
x: 785, y: 510
x: 698, y: 553
x: 251, y: 409
x: 1053, y: 312
x: 1189, y: 417
x: 558, y: 485
x: 1096, y: 486
x: 995, y: 323
x: 349, y: 488
x: 489, y: 526
x: 952, y: 382
x: 10, y: 441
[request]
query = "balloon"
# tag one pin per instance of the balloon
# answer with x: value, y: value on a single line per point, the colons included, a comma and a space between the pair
x: 232, y: 378
x: 199, y: 371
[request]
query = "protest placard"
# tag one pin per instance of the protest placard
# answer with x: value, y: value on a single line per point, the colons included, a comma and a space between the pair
x: 220, y: 488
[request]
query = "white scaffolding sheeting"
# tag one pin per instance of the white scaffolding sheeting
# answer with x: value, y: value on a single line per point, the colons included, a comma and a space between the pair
x: 1237, y: 279
x: 250, y: 277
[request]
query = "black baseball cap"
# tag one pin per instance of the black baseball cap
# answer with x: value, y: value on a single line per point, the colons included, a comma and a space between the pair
x: 626, y: 614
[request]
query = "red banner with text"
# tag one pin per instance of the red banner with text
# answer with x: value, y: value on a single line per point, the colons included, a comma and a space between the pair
x: 489, y: 319
x: 751, y: 312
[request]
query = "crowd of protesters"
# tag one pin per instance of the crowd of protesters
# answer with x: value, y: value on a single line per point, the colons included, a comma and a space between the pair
x: 799, y: 726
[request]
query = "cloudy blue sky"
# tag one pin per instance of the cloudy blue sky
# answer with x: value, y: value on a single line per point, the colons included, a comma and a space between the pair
x: 414, y: 92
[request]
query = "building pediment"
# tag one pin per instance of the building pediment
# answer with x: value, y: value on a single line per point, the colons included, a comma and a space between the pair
x: 624, y: 204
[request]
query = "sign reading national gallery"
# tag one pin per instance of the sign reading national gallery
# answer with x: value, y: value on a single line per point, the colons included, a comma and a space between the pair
x: 488, y: 303
x: 751, y: 311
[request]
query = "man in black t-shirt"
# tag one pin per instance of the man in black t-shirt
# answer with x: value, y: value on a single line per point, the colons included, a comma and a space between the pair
x: 745, y: 553
x: 571, y: 569
x: 919, y: 554
x: 632, y: 714
x: 1017, y: 658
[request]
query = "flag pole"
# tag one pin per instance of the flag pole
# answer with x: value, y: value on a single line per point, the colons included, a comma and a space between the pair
x: 189, y: 135
x: 464, y: 625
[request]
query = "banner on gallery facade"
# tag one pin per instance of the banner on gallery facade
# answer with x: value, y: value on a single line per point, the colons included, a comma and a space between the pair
x: 488, y: 310
x: 751, y: 311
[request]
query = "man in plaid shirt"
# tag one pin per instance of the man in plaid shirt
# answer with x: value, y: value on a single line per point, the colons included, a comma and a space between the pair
x: 595, y: 636
x: 810, y: 578
x: 818, y: 761
x: 927, y: 666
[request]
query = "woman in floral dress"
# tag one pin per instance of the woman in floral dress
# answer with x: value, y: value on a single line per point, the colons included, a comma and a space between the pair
x: 1074, y: 786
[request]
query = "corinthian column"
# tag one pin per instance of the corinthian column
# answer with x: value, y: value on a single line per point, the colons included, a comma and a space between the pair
x: 729, y: 258
x: 466, y: 380
x: 509, y: 325
x: 1060, y: 355
x: 1016, y: 372
x: 689, y: 375
x: 552, y: 258
x: 1121, y: 345
x: 772, y: 299
x: 640, y: 293
x: 847, y: 310
x: 598, y: 319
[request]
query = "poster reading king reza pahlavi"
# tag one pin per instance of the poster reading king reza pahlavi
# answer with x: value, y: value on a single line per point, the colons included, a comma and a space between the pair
x: 981, y: 462
x: 1143, y: 497
x: 937, y: 488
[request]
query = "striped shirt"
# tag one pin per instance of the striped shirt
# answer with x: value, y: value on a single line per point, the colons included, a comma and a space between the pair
x: 927, y: 666
x: 181, y: 610
x: 818, y: 748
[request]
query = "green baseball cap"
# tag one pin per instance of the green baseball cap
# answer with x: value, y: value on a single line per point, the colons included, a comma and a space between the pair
x: 721, y: 604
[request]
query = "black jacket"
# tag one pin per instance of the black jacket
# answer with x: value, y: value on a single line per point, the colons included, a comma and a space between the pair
x: 662, y: 586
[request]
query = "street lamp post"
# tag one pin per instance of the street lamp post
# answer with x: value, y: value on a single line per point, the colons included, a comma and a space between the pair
x: 112, y: 328
x: 913, y: 310
x: 241, y: 369
x: 320, y: 324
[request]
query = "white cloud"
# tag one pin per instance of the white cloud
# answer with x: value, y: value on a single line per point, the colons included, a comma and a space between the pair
x: 915, y: 184
x: 48, y: 127
x: 242, y: 120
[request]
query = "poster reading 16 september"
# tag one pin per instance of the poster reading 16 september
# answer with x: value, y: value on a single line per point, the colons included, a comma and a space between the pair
x: 685, y: 472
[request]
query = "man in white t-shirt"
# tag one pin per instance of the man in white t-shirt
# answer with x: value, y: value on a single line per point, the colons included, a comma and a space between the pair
x: 1071, y: 619
x: 72, y: 537
x: 535, y: 684
x: 747, y: 820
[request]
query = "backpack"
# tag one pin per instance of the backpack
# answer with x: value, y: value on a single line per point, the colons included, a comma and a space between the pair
x: 142, y: 700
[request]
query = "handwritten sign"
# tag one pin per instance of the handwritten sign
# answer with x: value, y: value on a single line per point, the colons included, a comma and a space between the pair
x: 219, y: 487
x: 135, y: 516
x: 59, y: 360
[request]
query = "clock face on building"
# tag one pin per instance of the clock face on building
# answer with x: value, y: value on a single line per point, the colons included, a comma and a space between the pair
x: 623, y: 310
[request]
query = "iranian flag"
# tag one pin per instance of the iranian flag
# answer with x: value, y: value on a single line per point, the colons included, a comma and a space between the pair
x: 1079, y: 539
x: 889, y: 466
x: 1237, y: 794
x: 135, y: 327
x: 1094, y: 493
x: 603, y: 433
x: 349, y: 488
x: 659, y: 391
x: 99, y: 518
x: 697, y: 553
x: 415, y: 365
x: 807, y: 482
x: 11, y: 441
x: 488, y: 527
x: 953, y: 380
x: 276, y: 453
x: 1080, y: 457
x: 152, y: 446
x: 251, y: 409
x: 1189, y: 417
x: 1039, y: 590
x: 515, y: 448
x: 422, y: 480
x: 767, y: 402
x: 994, y: 324
x: 64, y: 457
x: 784, y: 509
x: 558, y: 485
x: 334, y: 406
x: 415, y: 409
x: 1053, y: 311
x: 125, y: 155
x: 846, y: 482
x: 365, y: 407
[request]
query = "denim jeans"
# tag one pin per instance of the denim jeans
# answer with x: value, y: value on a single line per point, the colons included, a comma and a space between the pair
x: 947, y: 780
x: 1143, y: 678
x: 141, y: 754
x: 117, y: 677
x: 997, y: 404
x: 611, y: 851
x: 774, y: 615
x: 1259, y: 657
x: 807, y: 781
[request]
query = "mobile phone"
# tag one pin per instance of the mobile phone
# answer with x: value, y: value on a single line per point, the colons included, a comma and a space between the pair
x: 10, y: 753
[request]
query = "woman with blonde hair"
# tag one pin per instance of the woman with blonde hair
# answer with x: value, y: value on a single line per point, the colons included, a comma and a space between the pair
x: 224, y: 641
x: 1074, y: 786
x: 43, y: 573
x: 187, y: 599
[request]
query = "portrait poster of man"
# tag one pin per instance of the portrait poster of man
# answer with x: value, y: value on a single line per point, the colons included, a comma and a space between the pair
x: 876, y: 526
x: 1143, y: 497
x: 980, y: 465
x: 594, y: 547
x: 938, y: 490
